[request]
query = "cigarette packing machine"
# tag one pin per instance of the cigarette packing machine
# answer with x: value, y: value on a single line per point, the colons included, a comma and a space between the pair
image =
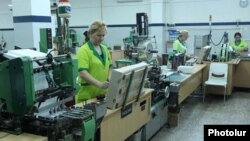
x: 36, y: 91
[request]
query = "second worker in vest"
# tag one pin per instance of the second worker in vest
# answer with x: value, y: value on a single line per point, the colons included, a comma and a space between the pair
x: 179, y: 45
x: 238, y: 44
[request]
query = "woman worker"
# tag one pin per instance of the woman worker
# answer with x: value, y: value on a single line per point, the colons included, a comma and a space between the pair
x: 179, y: 45
x: 238, y: 44
x: 94, y: 64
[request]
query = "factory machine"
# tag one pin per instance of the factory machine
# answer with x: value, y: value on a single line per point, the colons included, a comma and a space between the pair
x: 66, y: 39
x: 36, y: 91
x: 227, y: 53
x: 159, y: 102
x: 139, y: 45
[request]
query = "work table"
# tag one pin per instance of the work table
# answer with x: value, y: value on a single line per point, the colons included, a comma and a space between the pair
x: 4, y: 136
x: 189, y: 82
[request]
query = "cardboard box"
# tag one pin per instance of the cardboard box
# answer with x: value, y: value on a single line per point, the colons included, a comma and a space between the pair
x: 116, y: 55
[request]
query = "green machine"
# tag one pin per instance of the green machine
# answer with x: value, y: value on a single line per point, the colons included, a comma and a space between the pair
x: 45, y: 39
x: 66, y: 39
x: 226, y: 53
x: 37, y: 91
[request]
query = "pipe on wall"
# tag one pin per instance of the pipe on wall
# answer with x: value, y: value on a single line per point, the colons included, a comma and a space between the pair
x: 101, y: 7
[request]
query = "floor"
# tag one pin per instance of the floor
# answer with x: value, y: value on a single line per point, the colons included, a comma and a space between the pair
x: 194, y: 114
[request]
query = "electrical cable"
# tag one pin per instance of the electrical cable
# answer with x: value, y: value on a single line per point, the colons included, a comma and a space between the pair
x: 218, y: 43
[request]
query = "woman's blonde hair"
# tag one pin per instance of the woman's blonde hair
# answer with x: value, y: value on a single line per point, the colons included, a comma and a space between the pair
x: 183, y: 33
x: 97, y: 26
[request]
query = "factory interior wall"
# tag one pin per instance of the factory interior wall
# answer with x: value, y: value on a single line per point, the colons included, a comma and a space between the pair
x: 6, y: 24
x: 185, y: 14
x: 8, y: 37
x: 84, y: 12
x: 120, y: 17
x: 193, y: 11
x: 6, y: 20
x: 228, y: 15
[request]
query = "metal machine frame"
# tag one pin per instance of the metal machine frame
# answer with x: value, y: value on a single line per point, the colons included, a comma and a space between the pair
x: 44, y: 111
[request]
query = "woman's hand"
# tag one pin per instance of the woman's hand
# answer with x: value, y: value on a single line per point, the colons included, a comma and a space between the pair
x: 103, y: 85
x: 91, y: 80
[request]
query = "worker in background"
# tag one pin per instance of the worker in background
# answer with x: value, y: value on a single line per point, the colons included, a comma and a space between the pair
x: 86, y: 37
x: 238, y: 44
x: 94, y: 64
x: 179, y: 45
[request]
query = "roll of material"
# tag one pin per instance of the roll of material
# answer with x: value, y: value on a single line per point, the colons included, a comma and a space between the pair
x: 166, y: 91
